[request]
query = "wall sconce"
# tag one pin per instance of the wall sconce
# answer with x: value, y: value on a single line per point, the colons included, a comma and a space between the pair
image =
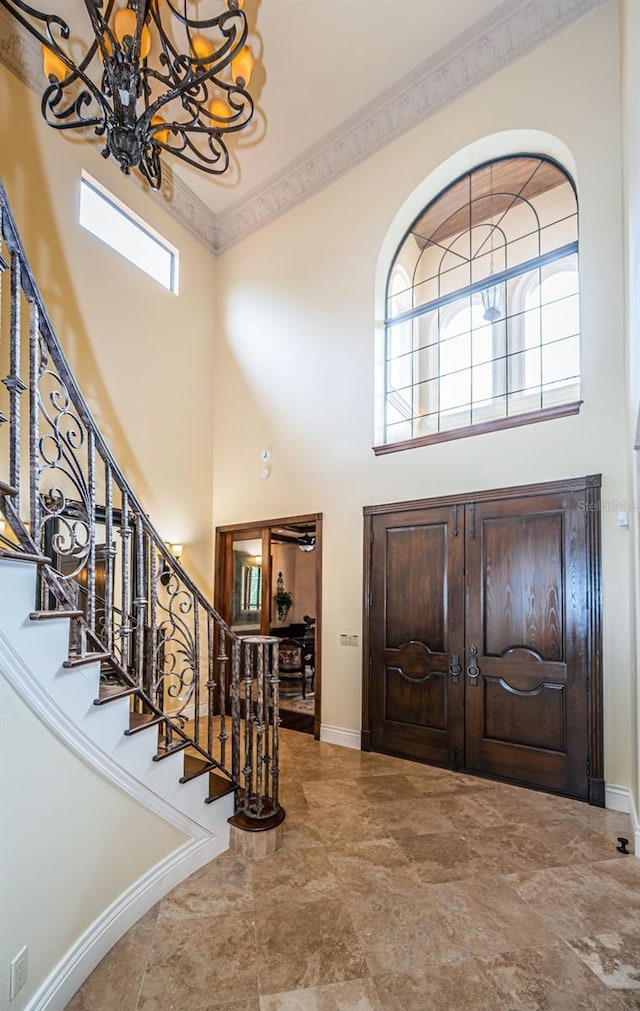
x: 176, y: 551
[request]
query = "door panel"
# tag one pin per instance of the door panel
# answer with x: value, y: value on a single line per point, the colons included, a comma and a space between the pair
x: 526, y: 702
x: 416, y: 627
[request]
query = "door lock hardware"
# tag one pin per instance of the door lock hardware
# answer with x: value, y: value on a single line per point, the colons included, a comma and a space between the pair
x: 473, y: 671
x: 455, y: 670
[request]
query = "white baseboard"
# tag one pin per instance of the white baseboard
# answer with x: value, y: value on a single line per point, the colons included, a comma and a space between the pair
x: 620, y: 798
x: 338, y: 735
x: 617, y: 798
x: 82, y: 958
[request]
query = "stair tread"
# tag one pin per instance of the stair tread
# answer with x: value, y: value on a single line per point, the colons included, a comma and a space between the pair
x: 47, y: 615
x: 23, y: 556
x: 195, y: 766
x: 164, y: 752
x: 81, y: 661
x: 219, y: 786
x: 140, y: 719
x: 107, y: 691
x: 139, y: 722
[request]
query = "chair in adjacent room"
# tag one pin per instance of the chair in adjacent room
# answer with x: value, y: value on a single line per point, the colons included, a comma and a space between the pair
x: 292, y: 666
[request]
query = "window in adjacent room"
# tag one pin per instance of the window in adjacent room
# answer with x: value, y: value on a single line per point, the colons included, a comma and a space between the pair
x: 107, y: 218
x: 482, y: 306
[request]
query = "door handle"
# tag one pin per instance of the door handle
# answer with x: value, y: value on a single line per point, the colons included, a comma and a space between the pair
x: 455, y: 669
x: 473, y: 671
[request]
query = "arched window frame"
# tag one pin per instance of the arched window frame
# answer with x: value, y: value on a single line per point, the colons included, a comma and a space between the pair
x: 516, y: 287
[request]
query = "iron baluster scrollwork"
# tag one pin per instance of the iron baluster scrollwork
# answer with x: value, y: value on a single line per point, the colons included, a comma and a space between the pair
x: 473, y: 671
x: 133, y: 603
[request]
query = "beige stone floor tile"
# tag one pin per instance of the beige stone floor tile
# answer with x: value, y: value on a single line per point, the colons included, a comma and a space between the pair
x: 354, y: 995
x: 571, y: 841
x: 625, y: 870
x: 306, y: 945
x: 297, y: 831
x: 443, y: 856
x: 459, y: 986
x: 114, y: 985
x: 467, y: 809
x: 293, y: 875
x: 374, y: 867
x: 335, y: 793
x: 403, y: 932
x: 581, y: 900
x: 506, y: 850
x: 194, y: 963
x: 379, y: 789
x: 161, y: 1003
x: 547, y: 979
x: 400, y: 818
x: 489, y: 916
x: 614, y: 958
x: 452, y: 856
x: 222, y: 886
x: 341, y: 825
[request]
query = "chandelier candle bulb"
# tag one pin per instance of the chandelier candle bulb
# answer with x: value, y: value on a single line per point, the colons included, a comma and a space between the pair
x: 242, y: 67
x: 219, y: 110
x: 202, y: 48
x: 53, y: 66
x: 162, y: 136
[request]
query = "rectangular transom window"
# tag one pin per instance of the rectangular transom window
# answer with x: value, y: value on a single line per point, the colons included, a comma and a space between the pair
x: 109, y: 220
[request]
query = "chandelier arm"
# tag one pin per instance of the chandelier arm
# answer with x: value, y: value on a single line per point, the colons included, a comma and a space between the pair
x: 203, y: 161
x: 207, y: 22
x: 53, y: 96
x: 54, y: 92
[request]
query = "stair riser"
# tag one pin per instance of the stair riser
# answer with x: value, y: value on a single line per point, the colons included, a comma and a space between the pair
x: 17, y: 598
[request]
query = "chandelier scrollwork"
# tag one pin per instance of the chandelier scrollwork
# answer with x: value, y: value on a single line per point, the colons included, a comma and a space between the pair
x: 152, y: 79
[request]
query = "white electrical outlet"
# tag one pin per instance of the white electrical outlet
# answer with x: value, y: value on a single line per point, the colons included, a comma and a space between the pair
x: 18, y: 972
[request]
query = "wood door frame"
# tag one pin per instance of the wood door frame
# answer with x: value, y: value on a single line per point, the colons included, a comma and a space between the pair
x: 591, y: 486
x: 225, y: 535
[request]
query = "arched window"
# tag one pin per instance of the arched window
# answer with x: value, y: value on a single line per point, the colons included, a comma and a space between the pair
x: 482, y: 319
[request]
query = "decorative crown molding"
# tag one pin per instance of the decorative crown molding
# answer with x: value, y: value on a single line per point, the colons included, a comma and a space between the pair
x: 515, y: 28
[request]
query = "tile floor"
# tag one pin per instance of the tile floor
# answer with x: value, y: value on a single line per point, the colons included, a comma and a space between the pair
x: 399, y: 888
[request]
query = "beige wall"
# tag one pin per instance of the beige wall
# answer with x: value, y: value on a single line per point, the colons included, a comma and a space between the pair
x: 295, y: 337
x: 143, y: 356
x: 71, y: 844
x: 630, y: 36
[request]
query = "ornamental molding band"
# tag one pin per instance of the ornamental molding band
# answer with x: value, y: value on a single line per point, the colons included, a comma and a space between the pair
x: 497, y: 40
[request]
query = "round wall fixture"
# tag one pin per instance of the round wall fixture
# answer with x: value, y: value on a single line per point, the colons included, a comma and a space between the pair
x: 264, y: 472
x: 265, y: 454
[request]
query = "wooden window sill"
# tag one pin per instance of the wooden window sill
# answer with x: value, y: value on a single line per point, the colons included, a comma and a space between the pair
x: 532, y: 418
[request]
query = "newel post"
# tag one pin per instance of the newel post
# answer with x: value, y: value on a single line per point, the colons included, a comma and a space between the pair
x: 258, y: 809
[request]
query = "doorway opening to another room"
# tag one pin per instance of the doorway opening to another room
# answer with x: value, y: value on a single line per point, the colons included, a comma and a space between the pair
x: 269, y: 582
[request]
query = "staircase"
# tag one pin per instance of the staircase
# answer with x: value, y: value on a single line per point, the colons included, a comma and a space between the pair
x: 102, y: 633
x: 71, y: 692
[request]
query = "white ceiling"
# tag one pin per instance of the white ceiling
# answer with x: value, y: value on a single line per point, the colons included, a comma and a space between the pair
x: 319, y: 62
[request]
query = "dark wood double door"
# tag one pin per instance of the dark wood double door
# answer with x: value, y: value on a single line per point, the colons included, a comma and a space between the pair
x: 483, y: 635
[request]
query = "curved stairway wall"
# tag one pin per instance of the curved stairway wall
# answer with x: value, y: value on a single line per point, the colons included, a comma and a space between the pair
x: 93, y: 831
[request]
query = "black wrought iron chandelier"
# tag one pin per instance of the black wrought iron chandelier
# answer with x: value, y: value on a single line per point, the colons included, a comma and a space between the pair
x: 153, y: 79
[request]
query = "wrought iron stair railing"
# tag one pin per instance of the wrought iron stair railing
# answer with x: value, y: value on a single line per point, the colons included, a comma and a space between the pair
x: 103, y: 564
